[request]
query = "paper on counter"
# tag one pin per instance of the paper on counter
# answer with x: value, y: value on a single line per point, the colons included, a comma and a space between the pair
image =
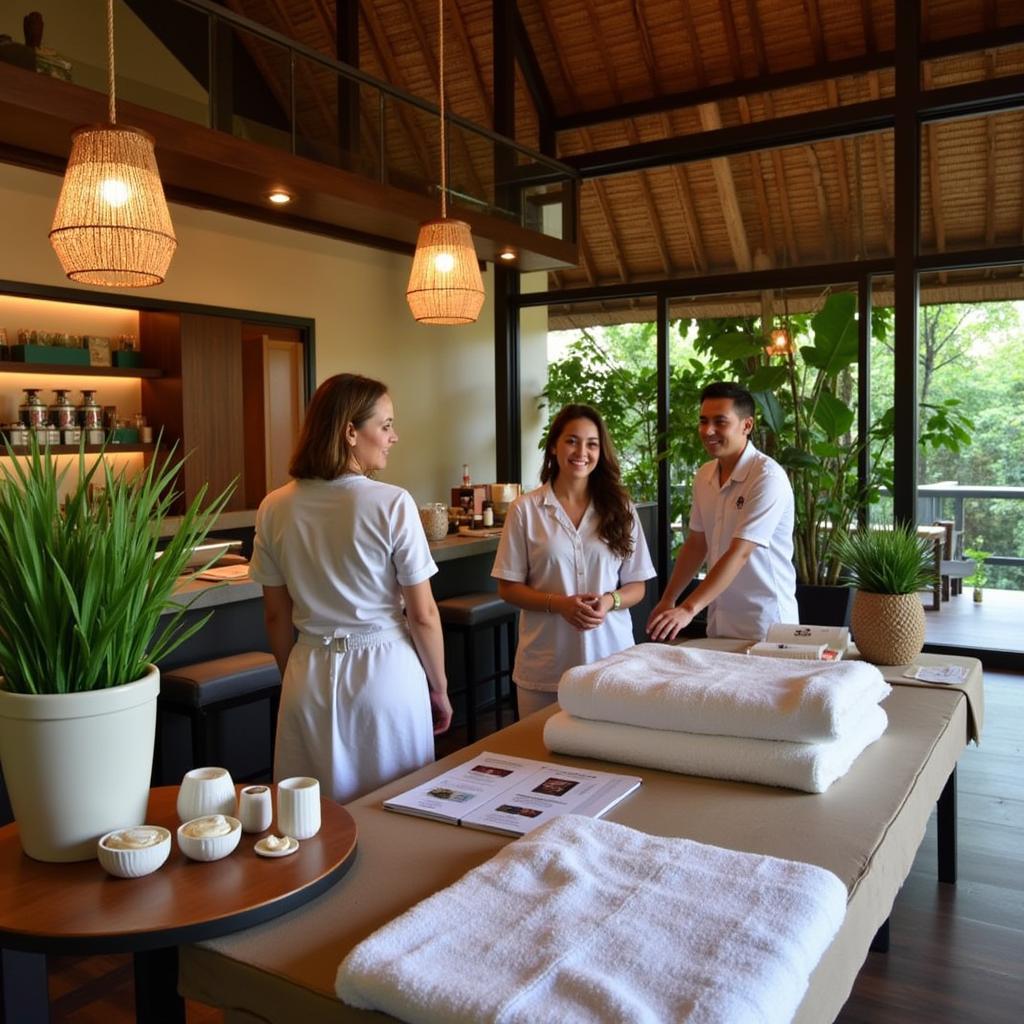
x: 937, y: 673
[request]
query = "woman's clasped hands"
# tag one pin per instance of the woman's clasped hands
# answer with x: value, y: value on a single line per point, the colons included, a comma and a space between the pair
x: 581, y: 611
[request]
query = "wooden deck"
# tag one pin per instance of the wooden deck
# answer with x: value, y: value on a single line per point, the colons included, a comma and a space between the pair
x: 997, y: 624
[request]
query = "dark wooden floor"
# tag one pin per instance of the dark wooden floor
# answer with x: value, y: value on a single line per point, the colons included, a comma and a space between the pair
x: 957, y: 953
x: 997, y: 624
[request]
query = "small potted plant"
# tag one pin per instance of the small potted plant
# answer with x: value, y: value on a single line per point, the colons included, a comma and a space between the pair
x: 888, y: 568
x: 979, y: 577
x: 83, y: 594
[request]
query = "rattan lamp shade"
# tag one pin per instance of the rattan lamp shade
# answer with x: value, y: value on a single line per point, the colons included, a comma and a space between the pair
x: 112, y: 226
x: 445, y: 286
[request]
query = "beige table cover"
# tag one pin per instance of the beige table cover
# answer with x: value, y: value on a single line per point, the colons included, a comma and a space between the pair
x: 866, y: 829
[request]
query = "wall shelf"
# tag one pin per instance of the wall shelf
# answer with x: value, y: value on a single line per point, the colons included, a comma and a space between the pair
x: 90, y: 449
x: 78, y: 370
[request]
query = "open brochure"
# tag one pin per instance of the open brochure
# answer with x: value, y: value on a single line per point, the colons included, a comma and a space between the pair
x: 513, y: 795
x: 814, y: 643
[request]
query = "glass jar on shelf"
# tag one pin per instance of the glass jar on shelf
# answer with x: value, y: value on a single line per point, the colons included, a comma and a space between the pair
x: 90, y: 413
x: 62, y: 412
x: 32, y: 412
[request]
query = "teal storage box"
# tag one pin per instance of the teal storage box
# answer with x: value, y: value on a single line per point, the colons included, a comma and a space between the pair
x: 52, y: 354
x: 124, y: 435
x: 127, y: 358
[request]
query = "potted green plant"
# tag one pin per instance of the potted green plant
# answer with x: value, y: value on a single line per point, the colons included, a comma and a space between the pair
x: 979, y: 577
x: 82, y: 593
x: 888, y: 568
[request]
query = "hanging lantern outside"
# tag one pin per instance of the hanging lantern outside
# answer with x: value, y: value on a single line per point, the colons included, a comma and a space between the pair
x: 112, y: 226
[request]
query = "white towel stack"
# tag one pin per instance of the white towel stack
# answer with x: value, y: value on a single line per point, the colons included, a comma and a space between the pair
x: 774, y: 721
x: 585, y: 920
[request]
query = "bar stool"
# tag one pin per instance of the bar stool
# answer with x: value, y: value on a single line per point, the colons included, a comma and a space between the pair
x: 467, y: 617
x: 207, y: 688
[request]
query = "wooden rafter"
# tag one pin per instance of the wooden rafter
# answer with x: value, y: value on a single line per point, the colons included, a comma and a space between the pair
x: 875, y: 91
x: 598, y: 186
x: 329, y: 116
x: 382, y: 50
x: 458, y: 22
x: 430, y: 63
x: 633, y: 137
x: 931, y: 141
x: 990, y: 137
x: 681, y: 183
x: 817, y: 36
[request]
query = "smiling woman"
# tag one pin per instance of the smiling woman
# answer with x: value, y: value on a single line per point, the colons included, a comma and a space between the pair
x: 573, y: 557
x: 338, y: 555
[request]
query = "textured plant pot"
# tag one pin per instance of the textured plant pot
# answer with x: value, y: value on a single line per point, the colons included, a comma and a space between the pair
x: 888, y: 629
x: 77, y: 765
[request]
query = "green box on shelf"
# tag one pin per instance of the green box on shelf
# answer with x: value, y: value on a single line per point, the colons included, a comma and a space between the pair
x: 124, y: 435
x: 52, y: 354
x: 126, y: 358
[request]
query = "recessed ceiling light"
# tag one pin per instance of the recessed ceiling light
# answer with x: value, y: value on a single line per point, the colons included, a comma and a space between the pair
x: 279, y: 196
x: 507, y: 254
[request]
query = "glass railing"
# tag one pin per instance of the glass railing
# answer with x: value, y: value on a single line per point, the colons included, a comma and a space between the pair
x: 261, y: 86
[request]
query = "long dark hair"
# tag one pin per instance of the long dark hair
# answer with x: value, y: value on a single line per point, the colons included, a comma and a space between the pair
x: 321, y: 453
x: 611, y: 502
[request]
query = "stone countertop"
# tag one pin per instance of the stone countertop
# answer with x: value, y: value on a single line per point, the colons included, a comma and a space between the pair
x: 213, y: 595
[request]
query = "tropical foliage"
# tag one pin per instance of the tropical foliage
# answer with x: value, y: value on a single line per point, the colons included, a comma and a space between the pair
x: 83, y: 588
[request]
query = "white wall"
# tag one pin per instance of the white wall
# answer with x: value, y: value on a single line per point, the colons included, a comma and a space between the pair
x: 441, y: 378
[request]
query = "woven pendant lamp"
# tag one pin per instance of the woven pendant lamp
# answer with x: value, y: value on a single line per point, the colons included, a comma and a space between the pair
x: 445, y: 286
x: 112, y: 226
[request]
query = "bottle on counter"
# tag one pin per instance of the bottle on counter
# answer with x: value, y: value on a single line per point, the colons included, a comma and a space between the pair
x: 488, y: 514
x: 466, y: 494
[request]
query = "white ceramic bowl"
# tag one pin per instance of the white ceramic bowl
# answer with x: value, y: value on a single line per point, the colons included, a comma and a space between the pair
x: 209, y: 847
x: 133, y: 862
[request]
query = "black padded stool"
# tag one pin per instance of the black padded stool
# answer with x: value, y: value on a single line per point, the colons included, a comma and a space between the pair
x: 210, y: 687
x: 468, y: 616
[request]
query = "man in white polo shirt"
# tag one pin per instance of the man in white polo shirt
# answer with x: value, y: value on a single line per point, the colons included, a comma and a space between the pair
x: 741, y: 523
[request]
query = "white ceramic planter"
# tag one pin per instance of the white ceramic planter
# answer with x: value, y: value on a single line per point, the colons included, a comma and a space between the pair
x: 77, y: 765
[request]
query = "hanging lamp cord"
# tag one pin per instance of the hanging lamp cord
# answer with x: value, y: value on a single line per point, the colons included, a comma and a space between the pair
x: 112, y: 100
x: 440, y: 75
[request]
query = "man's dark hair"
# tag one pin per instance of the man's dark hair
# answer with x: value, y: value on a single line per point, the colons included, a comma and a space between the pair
x: 742, y: 399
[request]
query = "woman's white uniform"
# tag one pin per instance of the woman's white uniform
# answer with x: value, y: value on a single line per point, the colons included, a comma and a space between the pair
x: 541, y: 547
x: 355, y: 705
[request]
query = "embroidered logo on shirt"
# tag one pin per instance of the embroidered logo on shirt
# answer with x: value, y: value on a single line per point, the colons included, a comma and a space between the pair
x: 739, y: 501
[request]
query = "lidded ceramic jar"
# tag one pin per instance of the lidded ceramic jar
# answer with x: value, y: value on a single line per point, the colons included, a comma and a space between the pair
x: 435, y: 520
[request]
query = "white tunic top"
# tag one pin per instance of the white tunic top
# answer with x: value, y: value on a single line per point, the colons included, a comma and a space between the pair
x: 353, y: 719
x: 540, y: 547
x: 755, y: 504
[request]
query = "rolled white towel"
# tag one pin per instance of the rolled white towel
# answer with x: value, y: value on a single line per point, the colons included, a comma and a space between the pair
x: 811, y: 767
x: 585, y: 920
x: 686, y: 689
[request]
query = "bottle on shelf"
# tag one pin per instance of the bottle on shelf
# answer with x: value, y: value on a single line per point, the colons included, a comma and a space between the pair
x: 90, y: 414
x: 488, y: 514
x: 62, y: 412
x: 32, y: 412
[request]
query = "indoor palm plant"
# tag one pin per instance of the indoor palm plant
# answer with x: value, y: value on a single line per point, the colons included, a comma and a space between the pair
x: 888, y: 568
x: 82, y: 593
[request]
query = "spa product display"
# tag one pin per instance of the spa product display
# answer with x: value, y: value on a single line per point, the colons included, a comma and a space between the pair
x: 134, y: 852
x: 513, y: 795
x: 804, y: 643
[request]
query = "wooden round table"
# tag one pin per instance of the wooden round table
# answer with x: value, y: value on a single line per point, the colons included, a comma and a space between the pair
x: 79, y: 908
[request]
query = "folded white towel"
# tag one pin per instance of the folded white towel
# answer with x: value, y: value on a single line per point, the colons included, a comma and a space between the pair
x: 687, y: 689
x: 585, y: 920
x: 812, y: 767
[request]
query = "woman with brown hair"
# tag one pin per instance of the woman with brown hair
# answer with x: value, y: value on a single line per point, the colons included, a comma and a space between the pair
x: 573, y: 557
x: 339, y: 554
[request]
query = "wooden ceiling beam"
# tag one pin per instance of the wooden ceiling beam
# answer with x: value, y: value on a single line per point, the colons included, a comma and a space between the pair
x: 817, y: 34
x: 526, y: 58
x: 599, y: 189
x: 881, y: 175
x: 931, y: 143
x: 990, y: 137
x: 469, y: 54
x: 382, y: 51
x: 633, y: 137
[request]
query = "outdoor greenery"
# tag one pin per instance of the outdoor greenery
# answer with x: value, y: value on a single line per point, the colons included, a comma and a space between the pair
x: 971, y: 414
x: 894, y: 561
x: 82, y: 588
x: 979, y: 577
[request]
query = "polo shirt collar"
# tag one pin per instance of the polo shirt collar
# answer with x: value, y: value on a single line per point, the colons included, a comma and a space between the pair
x: 746, y: 460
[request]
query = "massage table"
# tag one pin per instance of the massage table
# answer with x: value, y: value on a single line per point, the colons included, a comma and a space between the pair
x: 866, y: 829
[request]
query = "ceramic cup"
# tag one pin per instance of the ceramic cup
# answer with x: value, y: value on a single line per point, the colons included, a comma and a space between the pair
x: 298, y: 807
x: 255, y: 811
x: 205, y: 791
